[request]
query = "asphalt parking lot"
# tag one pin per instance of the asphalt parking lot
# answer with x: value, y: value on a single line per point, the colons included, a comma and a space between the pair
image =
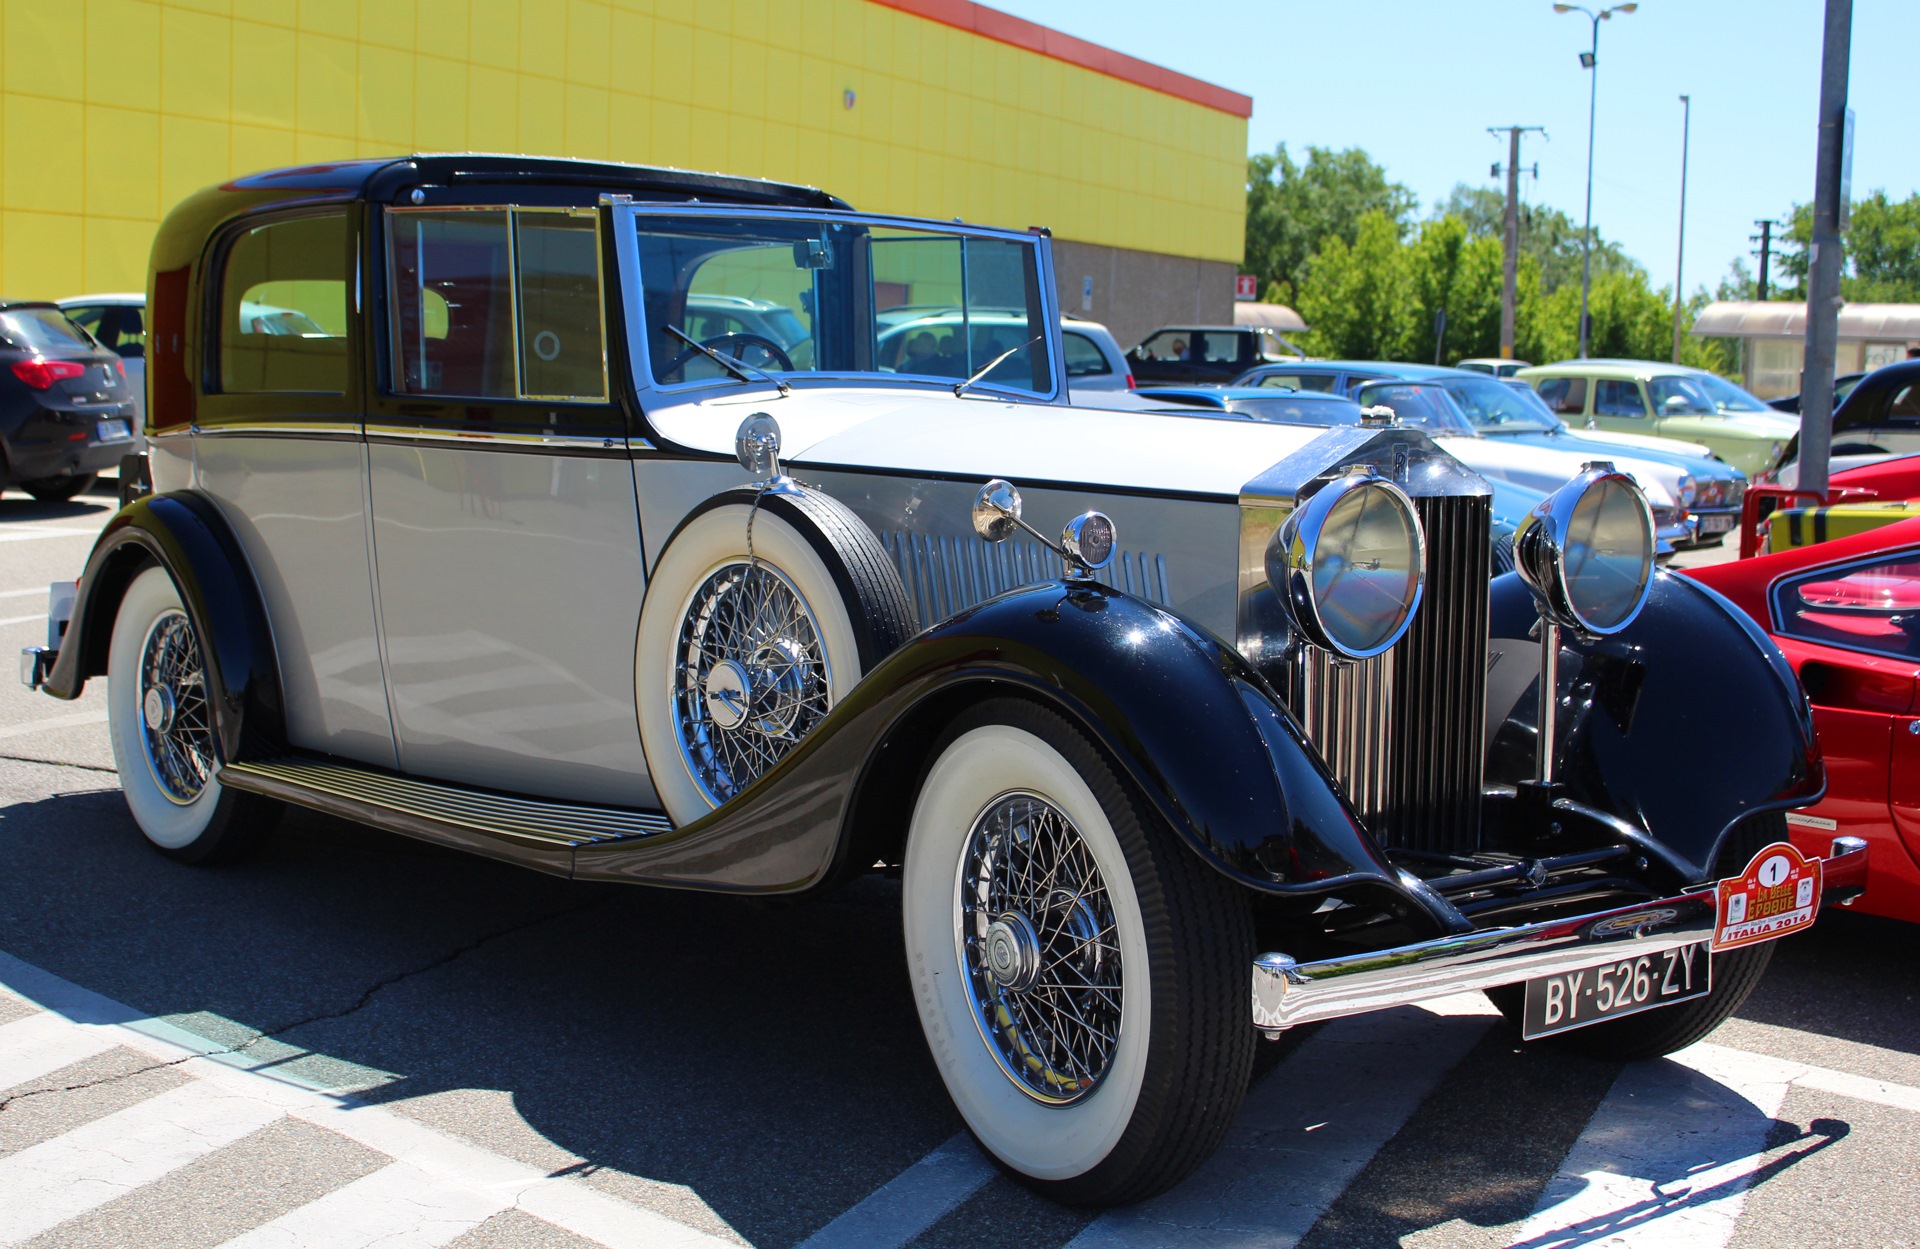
x: 356, y: 1039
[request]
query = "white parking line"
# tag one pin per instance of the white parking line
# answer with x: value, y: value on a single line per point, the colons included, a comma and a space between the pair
x: 40, y: 590
x: 14, y: 620
x: 1306, y: 1131
x: 565, y: 1202
x: 911, y: 1202
x: 25, y: 533
x: 1827, y: 1080
x: 55, y: 1180
x: 1667, y: 1158
x: 42, y: 1043
x: 48, y: 725
x: 397, y: 1207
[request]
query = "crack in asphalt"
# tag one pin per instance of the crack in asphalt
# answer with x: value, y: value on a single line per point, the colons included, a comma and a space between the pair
x: 365, y: 1000
x: 58, y: 763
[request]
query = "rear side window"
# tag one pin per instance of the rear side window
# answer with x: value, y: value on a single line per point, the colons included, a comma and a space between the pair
x: 1617, y: 398
x: 40, y: 330
x: 283, y: 308
x: 119, y: 328
x: 496, y: 304
x: 1565, y: 395
x: 1084, y: 358
x: 1905, y: 407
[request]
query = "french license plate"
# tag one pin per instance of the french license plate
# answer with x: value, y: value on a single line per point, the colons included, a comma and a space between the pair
x: 1715, y: 524
x: 1639, y: 982
x: 111, y: 431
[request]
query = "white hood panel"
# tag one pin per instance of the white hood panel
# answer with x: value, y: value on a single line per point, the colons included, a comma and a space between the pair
x: 914, y: 431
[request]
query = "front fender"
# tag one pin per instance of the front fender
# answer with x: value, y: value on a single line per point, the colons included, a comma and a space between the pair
x: 1198, y: 732
x: 1683, y: 724
x: 184, y: 534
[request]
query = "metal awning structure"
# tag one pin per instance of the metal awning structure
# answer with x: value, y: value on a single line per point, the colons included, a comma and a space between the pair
x: 1275, y: 316
x: 1778, y: 319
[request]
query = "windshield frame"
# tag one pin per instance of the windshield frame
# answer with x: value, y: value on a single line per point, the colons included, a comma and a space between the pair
x: 626, y: 220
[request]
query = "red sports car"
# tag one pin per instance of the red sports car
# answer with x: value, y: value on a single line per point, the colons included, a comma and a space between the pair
x: 1846, y: 613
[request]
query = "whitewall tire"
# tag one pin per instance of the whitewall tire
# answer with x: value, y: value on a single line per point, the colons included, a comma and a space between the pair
x: 1081, y: 976
x: 161, y: 724
x: 742, y: 652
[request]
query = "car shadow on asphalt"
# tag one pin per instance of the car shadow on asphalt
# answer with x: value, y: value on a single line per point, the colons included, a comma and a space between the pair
x: 766, y: 1056
x: 1852, y: 977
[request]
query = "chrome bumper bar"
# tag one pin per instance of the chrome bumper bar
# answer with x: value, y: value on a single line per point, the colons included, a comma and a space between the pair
x: 1286, y: 993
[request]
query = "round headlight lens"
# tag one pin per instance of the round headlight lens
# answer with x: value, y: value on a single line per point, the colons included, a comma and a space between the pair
x: 1587, y: 551
x: 1350, y: 564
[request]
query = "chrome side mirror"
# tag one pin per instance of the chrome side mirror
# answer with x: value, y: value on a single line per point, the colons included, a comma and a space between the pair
x: 996, y: 511
x: 757, y: 445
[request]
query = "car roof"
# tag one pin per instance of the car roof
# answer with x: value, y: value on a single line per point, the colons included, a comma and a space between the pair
x: 10, y: 304
x: 1210, y: 329
x: 1229, y: 393
x: 1607, y: 367
x: 126, y: 299
x: 1333, y: 366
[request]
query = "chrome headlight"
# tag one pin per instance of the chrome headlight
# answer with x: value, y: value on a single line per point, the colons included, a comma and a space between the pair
x: 1587, y: 551
x: 1350, y: 563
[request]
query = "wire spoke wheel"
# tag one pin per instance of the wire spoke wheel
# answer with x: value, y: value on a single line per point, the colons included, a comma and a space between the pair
x: 176, y: 724
x: 750, y: 678
x: 1039, y: 948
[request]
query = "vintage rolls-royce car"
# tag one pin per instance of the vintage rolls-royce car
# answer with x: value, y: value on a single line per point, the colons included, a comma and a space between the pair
x: 492, y: 551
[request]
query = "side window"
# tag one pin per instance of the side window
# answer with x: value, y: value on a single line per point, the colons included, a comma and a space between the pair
x: 1617, y: 398
x: 1875, y: 607
x: 456, y: 278
x: 1905, y: 408
x: 283, y: 308
x: 1167, y: 345
x: 562, y: 349
x: 1565, y: 395
x: 125, y: 332
x: 1218, y: 348
x: 1083, y: 357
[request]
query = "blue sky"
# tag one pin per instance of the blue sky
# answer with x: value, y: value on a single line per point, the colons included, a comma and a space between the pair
x: 1416, y: 83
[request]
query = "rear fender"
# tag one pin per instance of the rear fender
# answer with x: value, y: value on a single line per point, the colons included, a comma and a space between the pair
x: 184, y: 534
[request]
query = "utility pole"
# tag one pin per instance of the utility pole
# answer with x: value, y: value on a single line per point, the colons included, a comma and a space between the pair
x: 1510, y: 231
x: 1590, y: 61
x: 1680, y: 260
x: 1765, y: 239
x: 1823, y: 270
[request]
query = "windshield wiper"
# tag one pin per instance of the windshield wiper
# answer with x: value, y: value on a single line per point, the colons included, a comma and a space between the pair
x: 736, y: 367
x: 960, y: 388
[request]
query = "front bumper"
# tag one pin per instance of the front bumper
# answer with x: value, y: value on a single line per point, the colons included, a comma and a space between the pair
x: 1286, y: 993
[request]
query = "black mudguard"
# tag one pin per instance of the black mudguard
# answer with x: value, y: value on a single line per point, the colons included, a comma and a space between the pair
x: 184, y: 534
x: 1684, y: 724
x: 1198, y: 732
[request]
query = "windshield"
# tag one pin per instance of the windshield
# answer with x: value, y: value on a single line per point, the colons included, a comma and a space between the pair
x: 1728, y: 397
x: 796, y: 296
x: 1323, y: 413
x: 41, y: 330
x: 1679, y: 396
x: 1499, y: 408
x: 1422, y: 405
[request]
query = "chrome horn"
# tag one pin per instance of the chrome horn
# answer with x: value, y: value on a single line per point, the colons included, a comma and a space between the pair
x: 1086, y: 545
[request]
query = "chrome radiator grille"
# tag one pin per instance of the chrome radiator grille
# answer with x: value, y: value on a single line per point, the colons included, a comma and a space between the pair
x: 1403, y: 732
x: 945, y: 574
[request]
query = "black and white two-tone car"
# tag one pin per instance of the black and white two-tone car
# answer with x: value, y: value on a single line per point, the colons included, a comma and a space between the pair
x: 472, y: 540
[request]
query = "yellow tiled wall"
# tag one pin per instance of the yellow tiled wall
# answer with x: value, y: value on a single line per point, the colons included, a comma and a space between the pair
x: 113, y: 110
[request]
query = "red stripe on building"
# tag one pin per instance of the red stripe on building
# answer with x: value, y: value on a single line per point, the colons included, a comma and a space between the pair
x: 1019, y: 32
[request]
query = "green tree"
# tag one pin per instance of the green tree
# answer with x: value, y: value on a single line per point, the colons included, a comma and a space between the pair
x: 1881, y: 247
x: 1548, y: 235
x: 1292, y: 209
x: 1356, y: 297
x: 1450, y: 270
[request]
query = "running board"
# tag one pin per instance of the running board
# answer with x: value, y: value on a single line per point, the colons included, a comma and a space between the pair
x: 523, y: 830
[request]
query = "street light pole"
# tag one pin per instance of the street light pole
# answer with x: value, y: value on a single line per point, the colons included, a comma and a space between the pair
x: 1680, y: 261
x: 1590, y: 60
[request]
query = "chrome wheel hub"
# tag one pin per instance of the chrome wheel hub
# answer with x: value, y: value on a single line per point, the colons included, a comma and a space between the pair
x: 176, y: 725
x: 1038, y: 945
x: 750, y: 679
